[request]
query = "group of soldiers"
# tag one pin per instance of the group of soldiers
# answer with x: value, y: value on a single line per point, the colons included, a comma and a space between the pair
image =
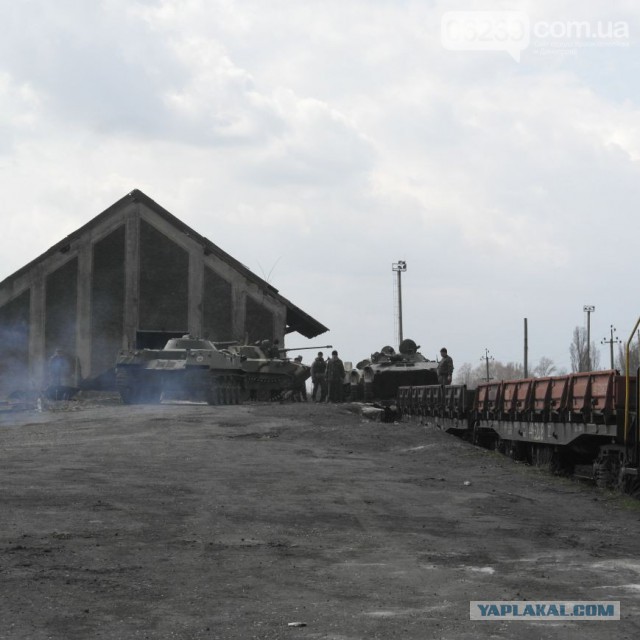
x: 327, y: 377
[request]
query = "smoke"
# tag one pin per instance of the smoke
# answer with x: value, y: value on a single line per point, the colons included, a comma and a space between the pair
x: 14, y: 358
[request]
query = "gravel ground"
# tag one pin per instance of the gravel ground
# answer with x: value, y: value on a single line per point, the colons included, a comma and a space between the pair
x: 189, y: 521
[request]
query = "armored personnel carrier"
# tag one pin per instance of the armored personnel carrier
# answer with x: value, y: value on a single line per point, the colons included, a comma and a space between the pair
x: 379, y: 377
x: 186, y: 368
x: 267, y: 377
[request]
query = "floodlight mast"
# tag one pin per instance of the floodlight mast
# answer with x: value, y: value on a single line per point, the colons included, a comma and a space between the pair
x: 399, y: 267
x: 589, y: 309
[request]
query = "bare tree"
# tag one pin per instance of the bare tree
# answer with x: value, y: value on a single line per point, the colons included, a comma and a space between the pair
x: 508, y: 371
x: 472, y: 376
x: 634, y: 357
x: 580, y: 354
x: 465, y: 375
x: 545, y: 367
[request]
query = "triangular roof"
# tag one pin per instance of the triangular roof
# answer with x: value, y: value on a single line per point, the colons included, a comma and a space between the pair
x: 297, y: 319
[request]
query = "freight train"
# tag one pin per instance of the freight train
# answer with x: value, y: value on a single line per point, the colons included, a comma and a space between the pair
x: 557, y: 422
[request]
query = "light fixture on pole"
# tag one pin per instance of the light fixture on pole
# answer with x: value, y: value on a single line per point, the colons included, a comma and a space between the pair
x: 399, y: 267
x: 589, y: 309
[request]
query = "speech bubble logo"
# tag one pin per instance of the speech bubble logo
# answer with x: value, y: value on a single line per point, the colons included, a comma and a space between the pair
x: 486, y: 31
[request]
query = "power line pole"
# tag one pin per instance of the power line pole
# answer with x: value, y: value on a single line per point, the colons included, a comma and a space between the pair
x: 589, y: 308
x: 486, y: 357
x: 526, y: 348
x: 399, y: 267
x: 611, y: 341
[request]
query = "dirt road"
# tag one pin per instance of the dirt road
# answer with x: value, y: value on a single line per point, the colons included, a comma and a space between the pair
x: 187, y: 521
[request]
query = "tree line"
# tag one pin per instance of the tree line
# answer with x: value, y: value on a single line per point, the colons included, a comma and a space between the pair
x: 581, y: 359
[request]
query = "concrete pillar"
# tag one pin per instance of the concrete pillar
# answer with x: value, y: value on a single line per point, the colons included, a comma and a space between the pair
x: 196, y: 289
x: 37, y: 355
x: 131, y: 279
x: 83, y: 320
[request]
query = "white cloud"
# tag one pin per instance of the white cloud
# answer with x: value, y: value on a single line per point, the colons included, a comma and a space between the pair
x: 326, y: 140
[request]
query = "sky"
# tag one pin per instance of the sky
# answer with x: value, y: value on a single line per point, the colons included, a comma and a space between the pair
x: 318, y: 142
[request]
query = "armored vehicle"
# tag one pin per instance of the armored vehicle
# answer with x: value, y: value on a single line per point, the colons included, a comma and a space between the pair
x: 269, y: 378
x: 266, y: 378
x: 186, y: 368
x: 379, y: 377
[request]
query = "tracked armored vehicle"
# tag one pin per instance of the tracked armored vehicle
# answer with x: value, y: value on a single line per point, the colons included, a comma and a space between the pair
x: 186, y: 368
x: 266, y: 378
x: 379, y: 377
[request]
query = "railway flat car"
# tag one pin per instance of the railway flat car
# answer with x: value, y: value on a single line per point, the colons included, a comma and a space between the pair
x: 556, y: 421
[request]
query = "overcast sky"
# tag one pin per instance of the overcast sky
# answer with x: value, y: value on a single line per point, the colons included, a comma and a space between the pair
x: 319, y: 141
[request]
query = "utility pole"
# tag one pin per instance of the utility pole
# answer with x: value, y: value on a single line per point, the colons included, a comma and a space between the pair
x: 486, y: 357
x: 526, y: 349
x: 611, y: 341
x: 399, y: 267
x: 589, y: 308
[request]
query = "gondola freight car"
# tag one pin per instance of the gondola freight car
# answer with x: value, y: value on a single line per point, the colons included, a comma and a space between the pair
x: 557, y: 421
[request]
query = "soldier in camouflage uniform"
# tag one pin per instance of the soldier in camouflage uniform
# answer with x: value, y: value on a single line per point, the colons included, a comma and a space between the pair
x: 319, y: 378
x: 445, y: 368
x: 335, y: 377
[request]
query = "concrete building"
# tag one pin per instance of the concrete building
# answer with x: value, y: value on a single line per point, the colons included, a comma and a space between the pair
x: 133, y: 276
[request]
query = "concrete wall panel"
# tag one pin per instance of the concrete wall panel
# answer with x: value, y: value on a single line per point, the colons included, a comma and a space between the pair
x: 164, y: 282
x: 61, y: 297
x: 107, y: 300
x: 217, y: 307
x: 14, y: 343
x: 259, y: 321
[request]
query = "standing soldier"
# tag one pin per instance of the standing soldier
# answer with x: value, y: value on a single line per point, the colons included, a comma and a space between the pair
x: 61, y: 381
x: 335, y: 377
x: 299, y: 386
x: 274, y: 351
x: 319, y: 378
x: 445, y: 368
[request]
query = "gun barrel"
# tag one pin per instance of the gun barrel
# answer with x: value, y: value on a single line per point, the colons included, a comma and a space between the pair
x: 326, y: 346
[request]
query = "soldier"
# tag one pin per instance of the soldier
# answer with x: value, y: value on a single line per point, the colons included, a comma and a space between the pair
x: 335, y: 377
x: 60, y: 372
x: 445, y: 368
x: 319, y: 378
x: 274, y: 351
x: 299, y: 386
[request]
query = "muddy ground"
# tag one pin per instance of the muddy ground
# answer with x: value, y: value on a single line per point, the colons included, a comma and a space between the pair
x: 189, y: 521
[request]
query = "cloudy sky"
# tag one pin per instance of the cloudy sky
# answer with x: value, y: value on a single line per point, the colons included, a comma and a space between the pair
x: 320, y: 141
